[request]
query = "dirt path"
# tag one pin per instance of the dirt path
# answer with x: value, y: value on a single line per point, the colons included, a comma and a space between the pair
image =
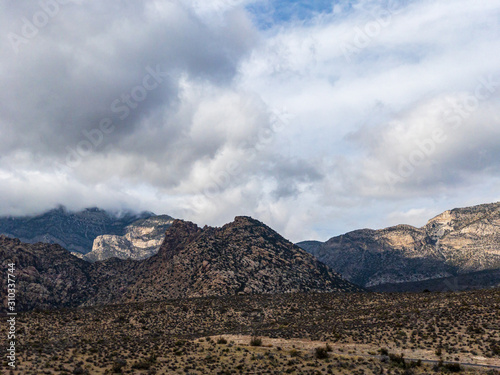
x: 365, y: 350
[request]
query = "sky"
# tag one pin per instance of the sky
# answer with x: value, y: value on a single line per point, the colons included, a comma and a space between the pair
x: 315, y: 117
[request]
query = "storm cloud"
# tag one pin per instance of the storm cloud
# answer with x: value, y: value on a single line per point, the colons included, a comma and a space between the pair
x: 317, y: 120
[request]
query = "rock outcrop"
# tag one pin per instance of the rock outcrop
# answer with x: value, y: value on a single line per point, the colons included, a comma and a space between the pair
x: 142, y: 240
x: 456, y: 242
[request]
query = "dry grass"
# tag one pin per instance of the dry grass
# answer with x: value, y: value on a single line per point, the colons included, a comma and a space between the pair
x: 180, y: 337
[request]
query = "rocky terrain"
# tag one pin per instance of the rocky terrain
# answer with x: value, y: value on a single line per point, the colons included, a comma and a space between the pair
x: 46, y: 275
x: 244, y: 256
x: 142, y: 239
x: 75, y: 231
x: 459, y: 241
x: 307, y: 333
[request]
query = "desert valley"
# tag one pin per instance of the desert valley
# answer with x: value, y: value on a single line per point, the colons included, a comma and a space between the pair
x: 242, y: 299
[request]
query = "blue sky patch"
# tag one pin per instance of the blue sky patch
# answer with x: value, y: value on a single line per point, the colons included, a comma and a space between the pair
x: 270, y: 13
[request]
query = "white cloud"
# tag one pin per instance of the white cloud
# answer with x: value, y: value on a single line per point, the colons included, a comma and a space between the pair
x: 203, y: 145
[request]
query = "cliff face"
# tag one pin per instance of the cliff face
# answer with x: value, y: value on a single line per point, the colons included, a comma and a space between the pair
x: 244, y: 256
x: 456, y: 242
x: 142, y: 239
x: 75, y: 231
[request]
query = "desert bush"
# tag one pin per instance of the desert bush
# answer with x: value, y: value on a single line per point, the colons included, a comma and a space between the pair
x: 321, y: 353
x: 452, y: 367
x: 397, y: 360
x: 222, y: 340
x: 118, y: 365
x: 142, y: 365
x: 256, y: 341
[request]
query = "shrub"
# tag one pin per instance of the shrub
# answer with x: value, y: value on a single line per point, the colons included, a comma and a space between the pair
x: 142, y: 365
x: 222, y: 340
x: 256, y: 341
x: 397, y: 360
x: 452, y: 367
x: 321, y: 353
x: 383, y: 351
x: 117, y: 367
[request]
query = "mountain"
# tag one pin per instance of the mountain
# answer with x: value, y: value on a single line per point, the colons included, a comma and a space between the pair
x: 142, y: 239
x: 75, y: 231
x: 46, y: 275
x: 456, y: 242
x: 242, y: 257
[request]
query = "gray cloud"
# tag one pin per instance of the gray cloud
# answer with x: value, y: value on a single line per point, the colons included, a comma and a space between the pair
x: 172, y: 107
x: 66, y: 79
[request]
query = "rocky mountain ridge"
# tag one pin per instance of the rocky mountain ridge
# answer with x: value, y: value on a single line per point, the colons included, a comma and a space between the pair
x: 75, y: 231
x: 242, y: 257
x: 458, y: 241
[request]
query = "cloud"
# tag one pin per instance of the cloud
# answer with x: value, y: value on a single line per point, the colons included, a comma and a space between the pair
x: 302, y: 117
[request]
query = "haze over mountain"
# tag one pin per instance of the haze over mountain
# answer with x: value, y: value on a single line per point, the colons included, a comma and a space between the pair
x: 244, y: 256
x: 75, y: 231
x: 456, y: 242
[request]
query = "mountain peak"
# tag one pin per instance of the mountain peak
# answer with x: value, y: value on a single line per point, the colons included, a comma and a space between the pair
x: 246, y: 220
x: 177, y: 236
x: 244, y: 256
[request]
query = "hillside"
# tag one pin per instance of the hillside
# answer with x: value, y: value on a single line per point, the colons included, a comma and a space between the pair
x: 242, y: 257
x: 459, y: 241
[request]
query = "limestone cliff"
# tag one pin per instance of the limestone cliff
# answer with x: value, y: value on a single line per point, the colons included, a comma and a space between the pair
x: 142, y: 239
x: 455, y: 242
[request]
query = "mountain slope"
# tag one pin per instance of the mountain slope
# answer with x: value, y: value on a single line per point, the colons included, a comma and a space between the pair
x: 75, y: 231
x: 142, y: 239
x: 244, y: 256
x: 46, y: 275
x: 459, y: 241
